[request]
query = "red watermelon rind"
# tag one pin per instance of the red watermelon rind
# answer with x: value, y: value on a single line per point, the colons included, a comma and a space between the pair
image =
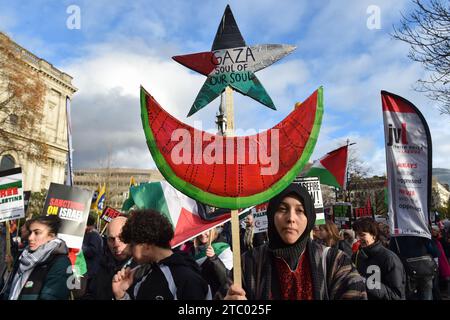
x: 222, y: 201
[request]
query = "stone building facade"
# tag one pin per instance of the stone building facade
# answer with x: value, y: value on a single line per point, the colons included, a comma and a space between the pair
x: 117, y: 181
x: 37, y: 176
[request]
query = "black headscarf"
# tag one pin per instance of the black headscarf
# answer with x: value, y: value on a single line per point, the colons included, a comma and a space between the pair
x: 290, y: 252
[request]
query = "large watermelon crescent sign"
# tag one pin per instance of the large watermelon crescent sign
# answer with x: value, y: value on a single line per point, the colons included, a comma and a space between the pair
x: 231, y: 172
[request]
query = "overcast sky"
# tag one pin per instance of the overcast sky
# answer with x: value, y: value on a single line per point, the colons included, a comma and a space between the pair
x: 124, y: 44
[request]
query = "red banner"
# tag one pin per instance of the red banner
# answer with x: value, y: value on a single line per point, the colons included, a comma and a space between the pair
x: 364, y: 211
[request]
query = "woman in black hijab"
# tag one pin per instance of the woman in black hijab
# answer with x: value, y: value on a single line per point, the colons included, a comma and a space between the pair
x: 291, y: 266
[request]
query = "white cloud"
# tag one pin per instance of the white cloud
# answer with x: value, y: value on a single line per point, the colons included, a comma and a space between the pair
x: 352, y: 62
x: 268, y: 19
x: 127, y: 66
x: 106, y: 109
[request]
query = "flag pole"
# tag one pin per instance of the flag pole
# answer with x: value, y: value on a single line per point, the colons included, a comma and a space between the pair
x: 347, y: 173
x: 104, y: 228
x: 69, y: 177
x: 8, y: 245
x: 98, y: 218
x: 18, y: 230
x: 346, y: 177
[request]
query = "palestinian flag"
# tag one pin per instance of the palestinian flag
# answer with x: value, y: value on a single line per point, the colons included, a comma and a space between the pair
x: 78, y: 261
x: 188, y: 217
x: 222, y: 251
x: 332, y: 168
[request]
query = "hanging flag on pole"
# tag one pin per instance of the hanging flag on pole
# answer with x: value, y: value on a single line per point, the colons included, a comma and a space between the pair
x: 132, y: 182
x: 100, y: 199
x: 332, y: 168
x: 69, y: 178
x: 408, y: 161
x: 128, y: 203
x: 79, y: 265
x: 94, y: 198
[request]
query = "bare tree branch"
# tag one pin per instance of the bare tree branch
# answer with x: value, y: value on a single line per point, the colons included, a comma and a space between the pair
x: 427, y: 31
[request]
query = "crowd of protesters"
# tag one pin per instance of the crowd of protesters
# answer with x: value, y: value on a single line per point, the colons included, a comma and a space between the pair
x: 293, y: 260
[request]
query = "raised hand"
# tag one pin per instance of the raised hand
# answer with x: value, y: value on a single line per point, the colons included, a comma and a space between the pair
x: 122, y: 280
x: 210, y: 252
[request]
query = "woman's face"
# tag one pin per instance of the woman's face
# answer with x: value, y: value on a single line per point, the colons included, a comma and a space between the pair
x: 323, y: 234
x: 366, y: 239
x: 316, y: 232
x: 39, y: 235
x: 290, y: 220
x: 24, y: 232
x: 435, y: 233
x: 204, y: 237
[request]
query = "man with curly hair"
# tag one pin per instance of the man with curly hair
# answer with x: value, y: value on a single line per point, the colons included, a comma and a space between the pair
x: 162, y: 274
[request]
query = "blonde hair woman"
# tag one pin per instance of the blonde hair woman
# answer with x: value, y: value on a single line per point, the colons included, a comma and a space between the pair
x: 330, y: 237
x: 214, y: 257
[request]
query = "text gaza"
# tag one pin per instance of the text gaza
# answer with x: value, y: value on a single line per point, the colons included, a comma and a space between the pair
x: 233, y: 56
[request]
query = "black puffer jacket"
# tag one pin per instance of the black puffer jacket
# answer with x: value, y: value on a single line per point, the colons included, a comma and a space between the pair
x: 391, y: 272
x: 92, y: 250
x: 101, y: 288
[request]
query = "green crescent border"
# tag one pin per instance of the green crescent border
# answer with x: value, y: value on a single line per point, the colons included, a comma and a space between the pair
x: 222, y: 201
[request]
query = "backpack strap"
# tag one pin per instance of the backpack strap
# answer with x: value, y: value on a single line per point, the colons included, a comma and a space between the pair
x: 169, y: 277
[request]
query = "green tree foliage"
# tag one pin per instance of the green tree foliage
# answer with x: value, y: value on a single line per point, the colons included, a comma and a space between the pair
x: 36, y: 204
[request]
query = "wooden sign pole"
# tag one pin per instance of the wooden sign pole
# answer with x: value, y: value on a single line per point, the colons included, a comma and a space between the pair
x: 104, y: 228
x: 235, y: 234
x: 210, y: 237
